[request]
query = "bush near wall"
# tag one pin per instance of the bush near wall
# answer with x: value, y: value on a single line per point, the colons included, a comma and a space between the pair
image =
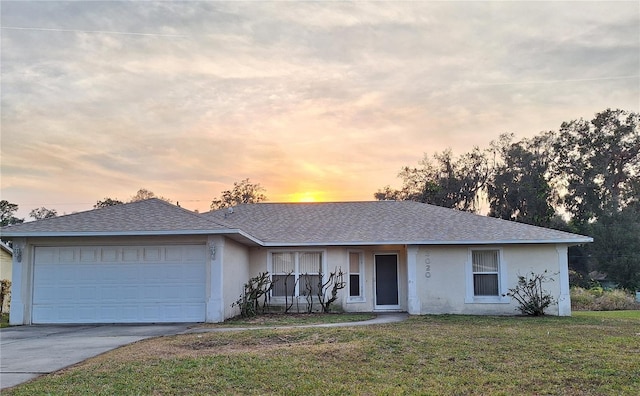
x: 598, y: 299
x: 5, y: 295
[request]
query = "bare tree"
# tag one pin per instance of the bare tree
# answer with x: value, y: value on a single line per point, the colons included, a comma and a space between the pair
x: 243, y: 192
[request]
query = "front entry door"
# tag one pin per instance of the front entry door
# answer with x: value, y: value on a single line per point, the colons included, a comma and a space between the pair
x: 386, y: 281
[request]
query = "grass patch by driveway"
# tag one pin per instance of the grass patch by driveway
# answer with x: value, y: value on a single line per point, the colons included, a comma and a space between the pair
x: 4, y: 320
x: 425, y: 355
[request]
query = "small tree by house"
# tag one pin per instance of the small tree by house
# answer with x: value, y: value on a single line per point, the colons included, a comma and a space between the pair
x: 530, y: 295
x: 258, y: 287
x: 334, y: 282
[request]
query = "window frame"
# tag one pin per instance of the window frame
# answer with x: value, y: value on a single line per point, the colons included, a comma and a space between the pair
x: 296, y: 274
x: 361, y: 297
x: 471, y: 297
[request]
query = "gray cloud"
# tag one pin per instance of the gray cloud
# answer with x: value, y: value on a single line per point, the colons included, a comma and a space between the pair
x: 187, y: 97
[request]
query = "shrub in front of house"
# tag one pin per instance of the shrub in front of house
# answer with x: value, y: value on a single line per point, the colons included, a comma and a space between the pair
x: 581, y: 299
x: 531, y: 296
x: 597, y: 299
x: 5, y: 295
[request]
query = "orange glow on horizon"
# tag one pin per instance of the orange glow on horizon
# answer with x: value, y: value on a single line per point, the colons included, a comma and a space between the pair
x: 306, y: 196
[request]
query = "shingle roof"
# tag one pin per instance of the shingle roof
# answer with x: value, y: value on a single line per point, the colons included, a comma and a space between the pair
x: 378, y: 222
x: 299, y: 224
x: 152, y: 216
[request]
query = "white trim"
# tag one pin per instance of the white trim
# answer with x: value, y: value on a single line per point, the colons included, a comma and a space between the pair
x: 433, y: 242
x: 376, y: 306
x: 6, y: 232
x: 470, y: 297
x: 361, y: 273
x: 21, y: 286
x: 226, y: 232
x: 414, y: 303
x: 214, y: 303
x: 564, y: 300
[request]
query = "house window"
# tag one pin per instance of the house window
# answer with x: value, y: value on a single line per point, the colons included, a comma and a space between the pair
x: 356, y: 276
x: 485, y: 272
x: 486, y: 277
x: 295, y: 273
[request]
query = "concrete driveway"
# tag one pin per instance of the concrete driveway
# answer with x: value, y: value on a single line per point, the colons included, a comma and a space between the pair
x: 27, y: 352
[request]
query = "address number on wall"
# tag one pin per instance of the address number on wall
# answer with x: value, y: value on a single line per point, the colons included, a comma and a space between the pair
x: 427, y: 265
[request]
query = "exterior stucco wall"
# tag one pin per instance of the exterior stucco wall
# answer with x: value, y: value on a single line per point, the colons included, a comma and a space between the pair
x: 236, y: 274
x: 5, y: 264
x: 442, y: 277
x: 257, y: 260
x: 337, y: 257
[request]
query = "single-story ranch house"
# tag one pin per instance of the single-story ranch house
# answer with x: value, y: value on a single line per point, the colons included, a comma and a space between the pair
x: 152, y: 261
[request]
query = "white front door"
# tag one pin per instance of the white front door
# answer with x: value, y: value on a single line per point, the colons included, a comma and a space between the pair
x: 119, y: 284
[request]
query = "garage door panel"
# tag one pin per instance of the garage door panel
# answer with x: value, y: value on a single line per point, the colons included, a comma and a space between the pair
x: 67, y: 255
x: 116, y: 293
x: 88, y: 294
x: 174, y: 312
x: 113, y: 284
x: 89, y: 255
x: 190, y: 273
x: 88, y: 273
x: 130, y: 254
x: 152, y: 254
x: 193, y: 293
x: 85, y: 314
x: 44, y: 294
x: 173, y: 292
x: 193, y: 254
x: 46, y: 256
x: 108, y: 255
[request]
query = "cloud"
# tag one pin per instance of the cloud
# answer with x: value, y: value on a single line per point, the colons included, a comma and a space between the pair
x: 185, y: 98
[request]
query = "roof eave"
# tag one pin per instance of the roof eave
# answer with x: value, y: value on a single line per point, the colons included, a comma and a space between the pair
x: 51, y: 234
x: 249, y: 238
x: 570, y: 242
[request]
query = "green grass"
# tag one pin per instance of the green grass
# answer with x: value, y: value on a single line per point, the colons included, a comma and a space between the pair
x: 273, y: 320
x: 431, y: 355
x: 4, y: 320
x: 607, y: 314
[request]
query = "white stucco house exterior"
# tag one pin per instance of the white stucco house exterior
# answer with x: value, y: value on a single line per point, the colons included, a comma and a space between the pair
x: 151, y: 261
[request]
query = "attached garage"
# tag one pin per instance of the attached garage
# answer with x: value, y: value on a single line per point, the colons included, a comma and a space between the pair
x: 119, y: 284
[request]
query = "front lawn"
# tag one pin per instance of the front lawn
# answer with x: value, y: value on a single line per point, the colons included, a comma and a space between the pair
x: 439, y: 355
x: 634, y: 315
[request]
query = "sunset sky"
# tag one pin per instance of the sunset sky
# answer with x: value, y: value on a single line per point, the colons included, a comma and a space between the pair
x: 320, y: 101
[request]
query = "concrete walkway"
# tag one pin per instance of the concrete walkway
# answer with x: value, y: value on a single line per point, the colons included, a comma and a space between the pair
x: 26, y: 352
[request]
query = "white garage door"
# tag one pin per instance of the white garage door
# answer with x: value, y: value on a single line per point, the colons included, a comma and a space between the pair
x: 119, y: 284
